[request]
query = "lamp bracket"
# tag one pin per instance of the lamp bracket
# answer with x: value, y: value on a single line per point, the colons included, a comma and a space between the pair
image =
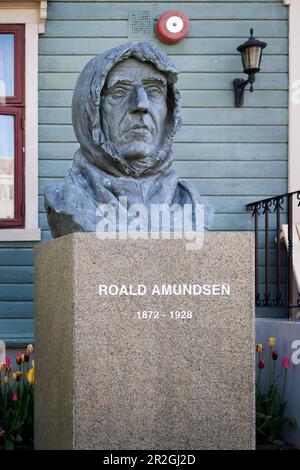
x: 239, y: 86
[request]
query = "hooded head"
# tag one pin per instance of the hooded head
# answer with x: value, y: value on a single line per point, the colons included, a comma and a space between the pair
x: 126, y: 110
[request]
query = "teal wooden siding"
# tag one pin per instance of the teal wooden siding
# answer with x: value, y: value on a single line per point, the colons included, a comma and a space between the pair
x: 233, y: 156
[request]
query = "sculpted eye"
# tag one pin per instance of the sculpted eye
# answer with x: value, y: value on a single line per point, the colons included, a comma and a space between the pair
x: 117, y: 94
x: 154, y: 91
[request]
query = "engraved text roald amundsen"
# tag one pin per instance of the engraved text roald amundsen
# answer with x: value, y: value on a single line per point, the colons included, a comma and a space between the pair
x: 165, y: 289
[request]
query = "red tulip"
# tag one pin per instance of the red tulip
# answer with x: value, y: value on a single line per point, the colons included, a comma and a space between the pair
x: 261, y: 363
x: 14, y: 397
x: 26, y: 357
x: 274, y: 355
x: 286, y: 363
x: 19, y: 358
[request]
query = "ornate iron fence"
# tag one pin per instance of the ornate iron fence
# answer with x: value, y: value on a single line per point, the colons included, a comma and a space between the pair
x: 274, y: 283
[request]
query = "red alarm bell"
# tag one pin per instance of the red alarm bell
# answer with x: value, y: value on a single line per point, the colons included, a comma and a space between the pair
x: 172, y: 26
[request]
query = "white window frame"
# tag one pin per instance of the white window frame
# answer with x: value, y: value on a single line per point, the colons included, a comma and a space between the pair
x: 33, y: 14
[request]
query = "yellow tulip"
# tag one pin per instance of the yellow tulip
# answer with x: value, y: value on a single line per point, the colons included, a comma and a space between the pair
x: 259, y: 347
x: 14, y: 376
x: 1, y: 366
x: 23, y: 357
x: 30, y: 376
x: 271, y: 341
x: 18, y: 375
x: 6, y: 379
x: 29, y: 348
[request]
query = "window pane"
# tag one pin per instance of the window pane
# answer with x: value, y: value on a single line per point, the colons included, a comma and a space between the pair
x: 6, y: 167
x: 6, y: 65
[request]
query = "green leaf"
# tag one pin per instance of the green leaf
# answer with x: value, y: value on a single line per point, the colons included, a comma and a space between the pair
x: 9, y: 445
x: 262, y: 415
x: 293, y: 424
x: 267, y: 422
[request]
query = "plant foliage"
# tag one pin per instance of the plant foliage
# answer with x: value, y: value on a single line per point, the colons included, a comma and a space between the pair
x: 16, y: 403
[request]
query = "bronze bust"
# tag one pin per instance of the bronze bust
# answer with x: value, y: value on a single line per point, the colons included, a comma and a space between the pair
x: 125, y: 112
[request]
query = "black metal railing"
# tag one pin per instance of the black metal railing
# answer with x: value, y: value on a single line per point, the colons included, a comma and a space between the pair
x: 274, y: 280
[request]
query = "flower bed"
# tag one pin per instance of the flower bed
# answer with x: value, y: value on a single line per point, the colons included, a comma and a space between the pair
x: 271, y: 404
x: 16, y: 402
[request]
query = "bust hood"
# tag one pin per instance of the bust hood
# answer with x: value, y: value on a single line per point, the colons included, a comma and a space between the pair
x: 87, y: 101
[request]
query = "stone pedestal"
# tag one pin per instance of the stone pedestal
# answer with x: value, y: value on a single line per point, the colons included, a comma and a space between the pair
x: 107, y: 379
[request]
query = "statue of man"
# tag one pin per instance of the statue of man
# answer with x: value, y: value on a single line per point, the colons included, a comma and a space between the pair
x: 125, y: 112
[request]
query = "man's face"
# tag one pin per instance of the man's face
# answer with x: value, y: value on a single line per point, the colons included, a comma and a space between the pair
x: 134, y: 108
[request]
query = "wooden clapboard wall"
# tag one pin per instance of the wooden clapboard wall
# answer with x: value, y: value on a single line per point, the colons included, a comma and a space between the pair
x: 233, y: 156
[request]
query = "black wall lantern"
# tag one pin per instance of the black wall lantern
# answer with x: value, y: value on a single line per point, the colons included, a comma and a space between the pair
x: 251, y: 52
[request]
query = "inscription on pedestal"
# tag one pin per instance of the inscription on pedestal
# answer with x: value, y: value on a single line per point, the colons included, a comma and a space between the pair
x: 157, y: 343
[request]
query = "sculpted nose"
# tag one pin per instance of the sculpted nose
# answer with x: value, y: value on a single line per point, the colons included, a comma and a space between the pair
x: 139, y: 101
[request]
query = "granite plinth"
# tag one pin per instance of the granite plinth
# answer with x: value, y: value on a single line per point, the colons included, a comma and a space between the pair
x: 107, y: 379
